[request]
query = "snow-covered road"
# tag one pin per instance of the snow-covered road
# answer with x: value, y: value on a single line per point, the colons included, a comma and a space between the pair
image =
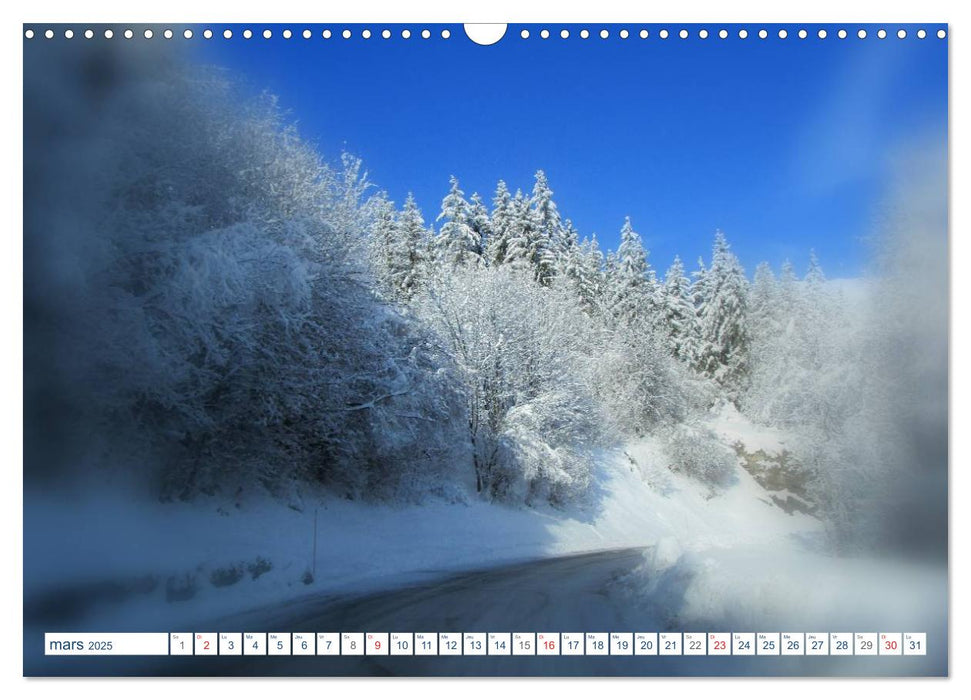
x: 580, y: 593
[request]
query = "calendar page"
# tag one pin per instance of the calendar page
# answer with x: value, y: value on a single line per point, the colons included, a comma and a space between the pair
x: 602, y: 349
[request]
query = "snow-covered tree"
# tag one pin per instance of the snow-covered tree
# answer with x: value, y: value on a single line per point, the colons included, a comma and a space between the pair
x: 546, y: 247
x: 502, y: 226
x: 519, y: 349
x: 481, y: 224
x: 632, y: 283
x: 458, y: 242
x: 680, y: 319
x: 722, y: 354
x: 520, y: 239
x: 591, y: 284
x: 410, y: 251
x: 384, y: 232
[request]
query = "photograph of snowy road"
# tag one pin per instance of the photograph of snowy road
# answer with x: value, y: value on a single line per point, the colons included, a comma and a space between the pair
x: 374, y: 333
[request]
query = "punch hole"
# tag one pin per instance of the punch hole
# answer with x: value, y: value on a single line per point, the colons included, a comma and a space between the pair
x: 487, y: 34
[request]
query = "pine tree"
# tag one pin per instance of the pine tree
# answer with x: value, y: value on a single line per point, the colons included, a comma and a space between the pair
x: 519, y: 238
x: 814, y: 274
x: 411, y: 249
x: 593, y: 285
x: 632, y: 283
x: 722, y: 317
x: 383, y: 234
x: 680, y: 318
x: 571, y: 265
x: 546, y: 247
x: 497, y: 244
x: 763, y: 298
x: 699, y: 285
x: 458, y: 243
x: 480, y: 222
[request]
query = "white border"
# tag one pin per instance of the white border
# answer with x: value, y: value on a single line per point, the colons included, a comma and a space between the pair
x: 415, y: 11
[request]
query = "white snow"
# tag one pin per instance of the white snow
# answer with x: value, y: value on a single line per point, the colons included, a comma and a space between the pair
x: 363, y: 547
x: 731, y: 426
x: 728, y: 557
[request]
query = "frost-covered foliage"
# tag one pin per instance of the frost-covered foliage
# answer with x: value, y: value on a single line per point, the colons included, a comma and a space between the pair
x: 212, y: 304
x: 697, y: 452
x: 723, y: 292
x: 858, y: 376
x: 520, y: 354
x: 215, y: 321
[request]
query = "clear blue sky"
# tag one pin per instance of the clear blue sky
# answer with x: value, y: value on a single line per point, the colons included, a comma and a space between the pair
x: 783, y: 144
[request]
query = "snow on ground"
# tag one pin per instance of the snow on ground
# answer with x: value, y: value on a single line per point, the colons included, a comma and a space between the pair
x: 760, y: 572
x: 728, y: 554
x: 732, y: 427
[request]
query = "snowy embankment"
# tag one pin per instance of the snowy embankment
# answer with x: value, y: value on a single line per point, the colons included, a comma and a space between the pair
x: 170, y: 564
x: 738, y: 566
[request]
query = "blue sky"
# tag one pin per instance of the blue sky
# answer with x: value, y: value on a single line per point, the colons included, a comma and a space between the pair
x: 783, y: 144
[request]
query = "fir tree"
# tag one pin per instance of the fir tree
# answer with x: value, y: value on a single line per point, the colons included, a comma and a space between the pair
x: 497, y: 244
x: 722, y: 317
x: 546, y: 245
x: 680, y: 318
x: 458, y: 243
x: 410, y: 250
x: 632, y: 283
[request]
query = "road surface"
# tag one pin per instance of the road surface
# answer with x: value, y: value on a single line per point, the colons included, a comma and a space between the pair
x: 567, y: 594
